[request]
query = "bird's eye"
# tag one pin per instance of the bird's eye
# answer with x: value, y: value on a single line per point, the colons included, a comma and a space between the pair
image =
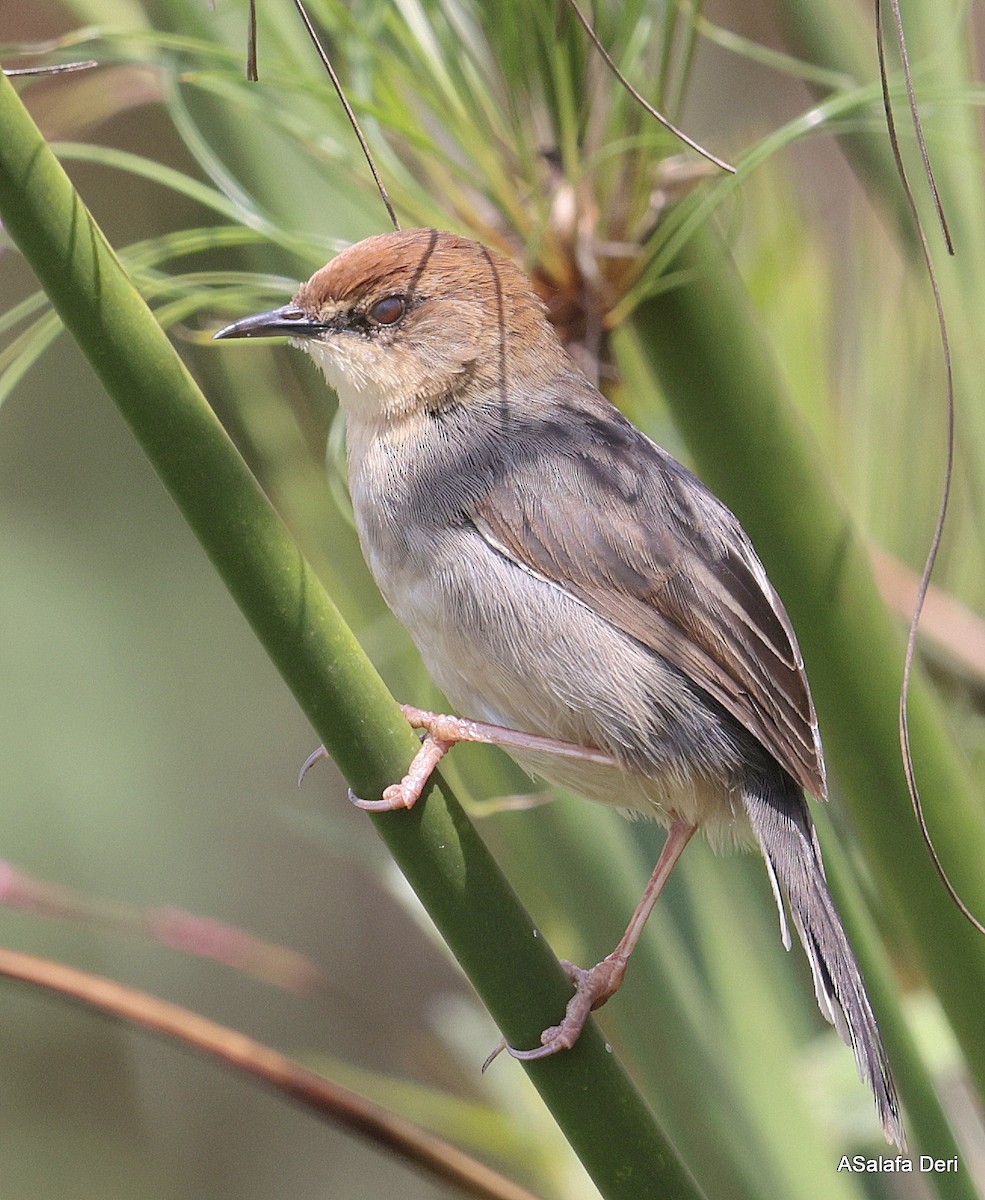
x: 387, y: 311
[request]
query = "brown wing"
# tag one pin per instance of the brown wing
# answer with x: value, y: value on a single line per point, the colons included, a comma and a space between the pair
x: 618, y: 523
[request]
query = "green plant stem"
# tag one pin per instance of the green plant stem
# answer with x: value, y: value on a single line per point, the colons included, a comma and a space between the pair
x: 839, y: 36
x: 705, y: 347
x: 446, y: 863
x: 321, y: 1095
x: 942, y: 58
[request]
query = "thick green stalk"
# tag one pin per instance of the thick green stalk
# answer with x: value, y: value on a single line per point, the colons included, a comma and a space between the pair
x: 942, y: 57
x: 837, y: 35
x: 437, y: 848
x: 717, y: 373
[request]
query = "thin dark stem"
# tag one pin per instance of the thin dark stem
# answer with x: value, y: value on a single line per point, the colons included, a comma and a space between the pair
x: 640, y: 99
x: 318, y: 1094
x: 336, y: 83
x: 252, y: 74
x: 935, y: 542
x: 914, y: 116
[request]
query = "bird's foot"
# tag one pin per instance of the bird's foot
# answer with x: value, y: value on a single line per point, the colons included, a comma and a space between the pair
x: 593, y: 986
x: 407, y: 792
x: 596, y: 984
x: 441, y: 732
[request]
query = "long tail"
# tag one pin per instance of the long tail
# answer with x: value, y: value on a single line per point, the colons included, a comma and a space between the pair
x: 785, y: 832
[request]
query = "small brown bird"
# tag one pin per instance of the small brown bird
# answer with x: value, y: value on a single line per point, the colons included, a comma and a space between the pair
x: 583, y: 597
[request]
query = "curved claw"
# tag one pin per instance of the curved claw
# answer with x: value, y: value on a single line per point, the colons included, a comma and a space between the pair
x: 496, y: 1052
x: 555, y: 1039
x: 398, y: 795
x: 314, y: 757
x: 390, y: 801
x: 592, y: 988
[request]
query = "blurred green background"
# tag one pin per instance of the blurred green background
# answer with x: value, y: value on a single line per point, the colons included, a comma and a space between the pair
x: 149, y: 749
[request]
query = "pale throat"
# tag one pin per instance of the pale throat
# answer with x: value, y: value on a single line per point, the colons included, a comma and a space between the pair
x: 364, y: 395
x: 379, y: 388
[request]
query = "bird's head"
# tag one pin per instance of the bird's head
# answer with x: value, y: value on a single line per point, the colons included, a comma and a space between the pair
x: 416, y: 319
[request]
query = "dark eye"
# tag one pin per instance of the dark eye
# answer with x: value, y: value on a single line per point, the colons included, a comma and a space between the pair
x: 387, y: 311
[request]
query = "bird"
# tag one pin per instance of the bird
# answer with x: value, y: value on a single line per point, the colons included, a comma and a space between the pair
x: 581, y: 597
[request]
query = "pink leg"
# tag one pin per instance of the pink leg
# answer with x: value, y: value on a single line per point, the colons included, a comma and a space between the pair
x: 461, y: 729
x: 441, y: 733
x: 594, y: 986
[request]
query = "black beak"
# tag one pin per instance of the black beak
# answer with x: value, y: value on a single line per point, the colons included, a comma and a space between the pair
x: 288, y: 321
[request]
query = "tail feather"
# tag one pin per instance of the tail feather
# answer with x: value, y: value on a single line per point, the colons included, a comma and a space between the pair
x: 786, y: 836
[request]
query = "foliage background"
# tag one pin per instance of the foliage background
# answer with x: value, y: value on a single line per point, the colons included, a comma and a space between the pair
x: 149, y: 749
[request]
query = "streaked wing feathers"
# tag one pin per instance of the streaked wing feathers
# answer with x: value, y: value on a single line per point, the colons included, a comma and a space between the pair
x: 635, y: 536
